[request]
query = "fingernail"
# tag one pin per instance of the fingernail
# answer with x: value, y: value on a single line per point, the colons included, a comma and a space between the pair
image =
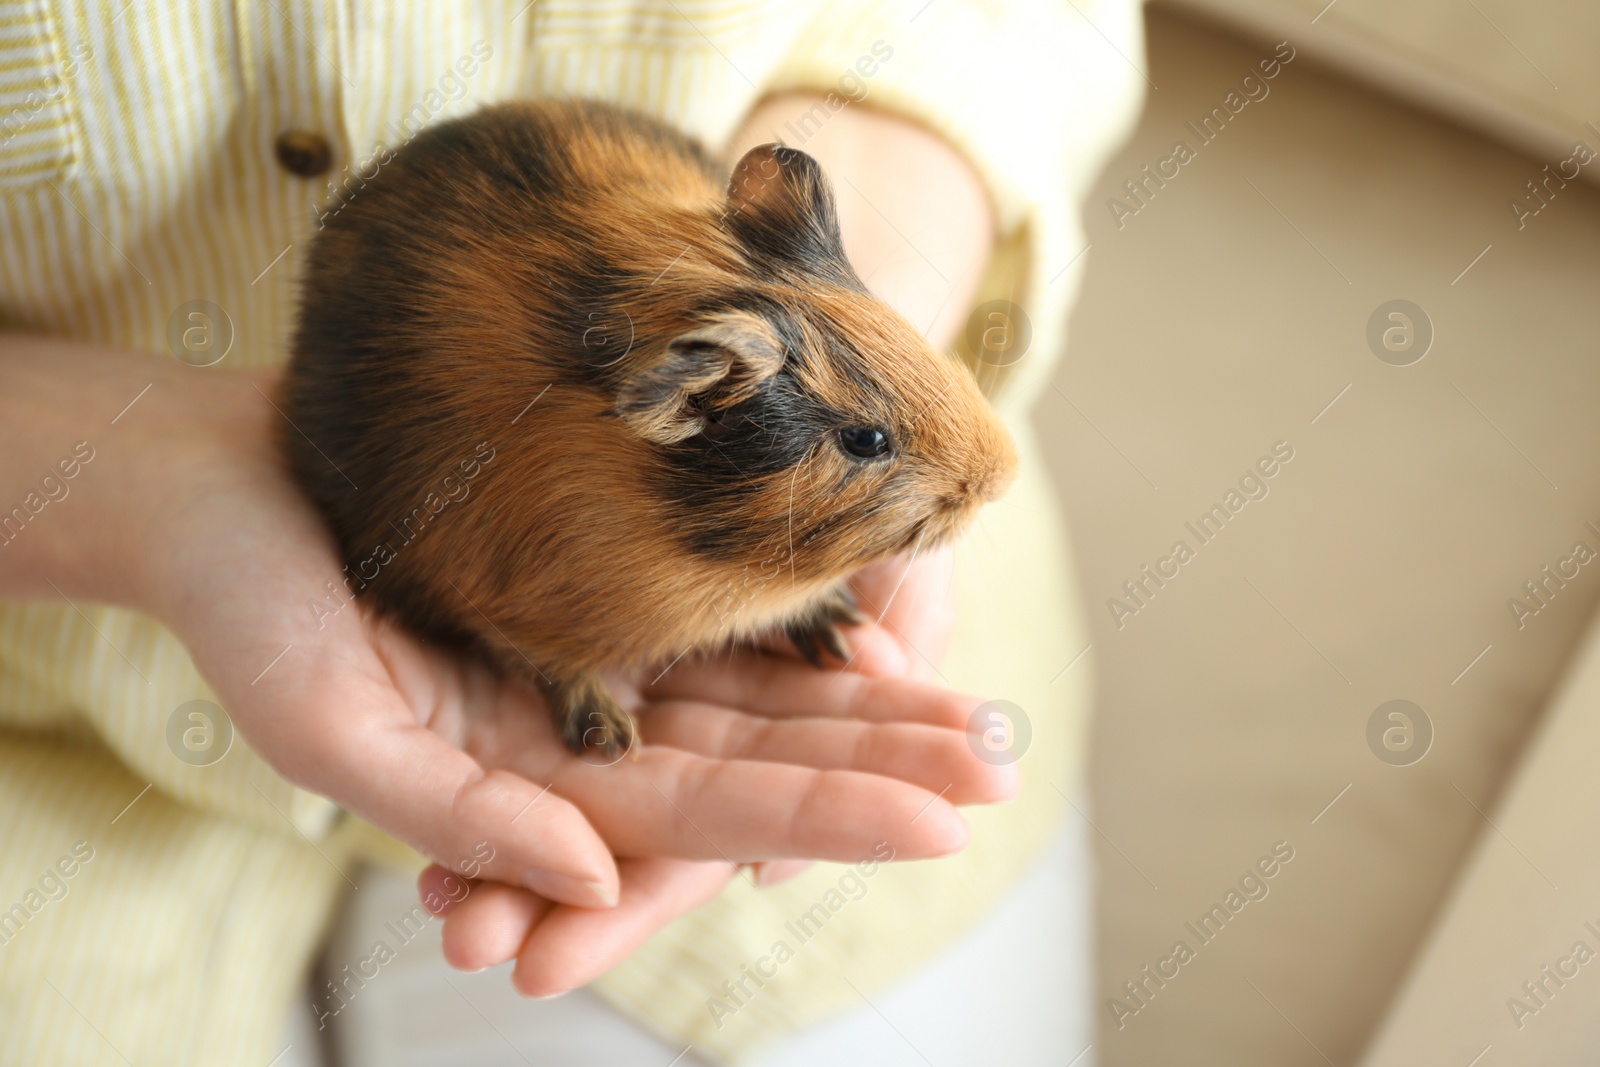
x: 552, y: 996
x: 565, y: 888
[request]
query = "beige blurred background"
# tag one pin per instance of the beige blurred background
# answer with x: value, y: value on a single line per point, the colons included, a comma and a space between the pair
x: 1231, y: 313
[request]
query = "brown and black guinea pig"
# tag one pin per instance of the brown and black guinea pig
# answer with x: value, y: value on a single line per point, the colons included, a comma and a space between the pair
x: 570, y: 396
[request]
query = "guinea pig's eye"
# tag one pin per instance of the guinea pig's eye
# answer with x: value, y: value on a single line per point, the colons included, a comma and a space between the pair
x: 864, y: 442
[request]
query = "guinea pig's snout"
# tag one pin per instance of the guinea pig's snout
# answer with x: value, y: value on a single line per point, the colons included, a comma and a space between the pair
x: 988, y: 486
x: 985, y: 484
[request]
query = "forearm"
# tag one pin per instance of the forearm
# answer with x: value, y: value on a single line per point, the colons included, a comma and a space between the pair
x: 916, y: 220
x: 87, y: 436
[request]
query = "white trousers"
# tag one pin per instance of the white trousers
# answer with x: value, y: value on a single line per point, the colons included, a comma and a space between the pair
x: 1015, y: 990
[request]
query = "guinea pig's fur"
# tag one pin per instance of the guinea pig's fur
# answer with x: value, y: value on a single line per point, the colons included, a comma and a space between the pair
x: 570, y: 396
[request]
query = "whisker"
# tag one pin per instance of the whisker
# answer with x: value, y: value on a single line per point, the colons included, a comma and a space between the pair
x: 930, y: 404
x: 792, y: 479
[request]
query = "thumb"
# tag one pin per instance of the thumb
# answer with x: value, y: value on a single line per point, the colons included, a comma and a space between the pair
x: 911, y: 600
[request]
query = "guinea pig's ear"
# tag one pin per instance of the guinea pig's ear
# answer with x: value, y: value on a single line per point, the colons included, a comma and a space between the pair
x: 708, y: 369
x: 780, y: 207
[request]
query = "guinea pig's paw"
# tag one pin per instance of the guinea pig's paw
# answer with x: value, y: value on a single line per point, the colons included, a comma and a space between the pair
x: 817, y: 631
x: 591, y: 722
x: 840, y: 605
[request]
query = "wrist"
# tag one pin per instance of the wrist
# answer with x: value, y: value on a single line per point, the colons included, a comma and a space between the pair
x: 204, y: 446
x: 95, y: 440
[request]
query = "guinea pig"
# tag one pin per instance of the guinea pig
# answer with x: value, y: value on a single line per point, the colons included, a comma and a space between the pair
x: 569, y: 395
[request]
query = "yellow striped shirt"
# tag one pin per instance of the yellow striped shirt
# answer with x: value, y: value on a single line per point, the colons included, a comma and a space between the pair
x: 139, y: 176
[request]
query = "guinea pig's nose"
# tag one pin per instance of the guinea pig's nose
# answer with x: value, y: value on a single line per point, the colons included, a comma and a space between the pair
x: 989, y: 484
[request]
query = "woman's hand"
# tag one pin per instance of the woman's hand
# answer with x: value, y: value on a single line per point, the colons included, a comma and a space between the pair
x: 921, y: 731
x: 912, y: 735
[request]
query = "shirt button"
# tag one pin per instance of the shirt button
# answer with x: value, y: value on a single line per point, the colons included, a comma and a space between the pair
x: 303, y: 153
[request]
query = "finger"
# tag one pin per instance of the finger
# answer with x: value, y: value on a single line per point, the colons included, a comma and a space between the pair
x: 908, y: 588
x: 912, y: 599
x: 877, y: 652
x: 413, y: 783
x: 669, y: 802
x: 493, y: 824
x: 776, y: 872
x: 574, y: 946
x: 934, y: 758
x: 768, y: 685
x: 489, y: 925
x: 440, y: 890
